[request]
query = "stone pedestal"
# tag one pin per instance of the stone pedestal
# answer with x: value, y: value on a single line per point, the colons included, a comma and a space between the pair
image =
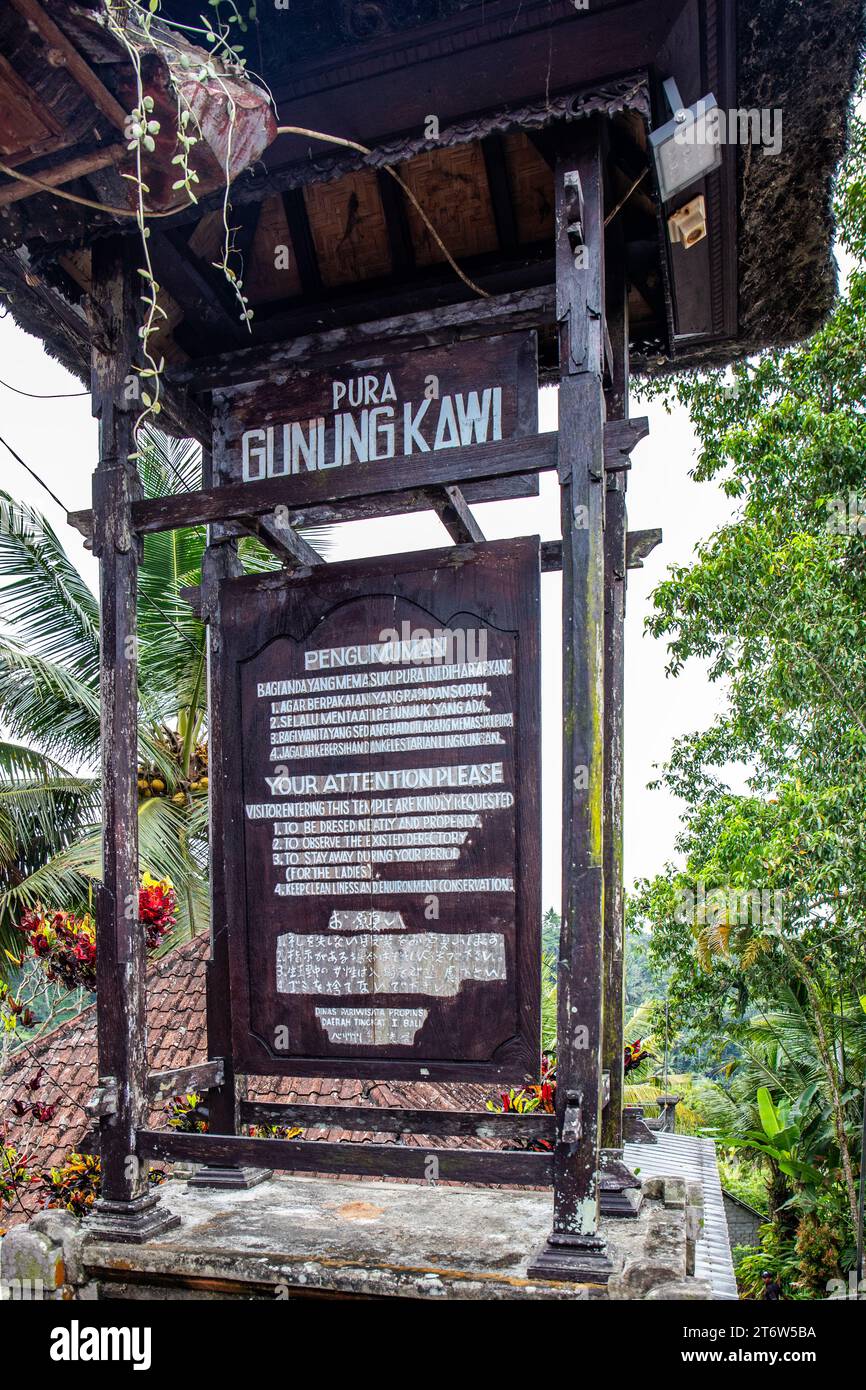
x: 144, y: 1218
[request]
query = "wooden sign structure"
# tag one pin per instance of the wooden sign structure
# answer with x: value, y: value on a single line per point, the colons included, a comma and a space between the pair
x: 333, y: 974
x: 381, y: 833
x: 378, y: 376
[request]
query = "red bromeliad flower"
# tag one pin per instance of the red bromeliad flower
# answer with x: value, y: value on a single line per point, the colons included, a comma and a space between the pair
x: 633, y: 1054
x: 43, y: 1113
x: 157, y: 908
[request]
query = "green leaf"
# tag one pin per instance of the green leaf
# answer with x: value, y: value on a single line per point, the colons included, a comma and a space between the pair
x: 768, y: 1114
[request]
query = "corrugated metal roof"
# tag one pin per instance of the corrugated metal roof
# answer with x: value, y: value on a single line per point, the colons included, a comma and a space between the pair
x: 686, y: 1156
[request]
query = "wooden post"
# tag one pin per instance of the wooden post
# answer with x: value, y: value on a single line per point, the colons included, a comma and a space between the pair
x: 616, y: 525
x: 220, y: 561
x: 620, y: 1189
x: 574, y: 1249
x: 128, y: 1209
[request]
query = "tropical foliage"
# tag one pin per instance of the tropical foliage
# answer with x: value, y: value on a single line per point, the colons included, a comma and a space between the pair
x: 760, y: 935
x: 49, y: 710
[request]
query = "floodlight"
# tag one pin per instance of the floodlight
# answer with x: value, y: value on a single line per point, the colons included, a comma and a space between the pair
x: 687, y: 147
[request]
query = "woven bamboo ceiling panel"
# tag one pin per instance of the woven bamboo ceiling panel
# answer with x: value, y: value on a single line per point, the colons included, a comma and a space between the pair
x: 531, y: 187
x: 349, y: 231
x: 272, y: 272
x: 451, y: 186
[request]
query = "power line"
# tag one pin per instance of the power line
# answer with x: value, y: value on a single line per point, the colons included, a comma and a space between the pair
x: 28, y: 469
x: 161, y: 611
x: 37, y: 396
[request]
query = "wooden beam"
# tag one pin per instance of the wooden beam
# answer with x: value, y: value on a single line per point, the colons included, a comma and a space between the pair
x: 199, y: 1077
x: 15, y: 191
x: 477, y: 318
x: 616, y: 525
x: 551, y: 556
x: 303, y: 244
x: 204, y: 270
x: 544, y: 142
x: 127, y: 1207
x: 185, y: 413
x: 282, y: 540
x: 373, y: 1160
x: 375, y: 506
x: 499, y: 184
x: 483, y: 1124
x: 620, y: 437
x: 245, y: 222
x: 581, y: 409
x: 450, y: 506
x: 639, y: 544
x: 220, y: 562
x: 614, y: 734
x: 75, y: 65
x: 396, y: 224
x: 575, y: 1249
x: 233, y: 500
x: 176, y: 270
x: 40, y: 149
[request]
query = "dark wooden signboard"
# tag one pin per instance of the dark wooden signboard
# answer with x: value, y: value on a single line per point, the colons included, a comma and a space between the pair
x: 380, y: 410
x: 381, y: 839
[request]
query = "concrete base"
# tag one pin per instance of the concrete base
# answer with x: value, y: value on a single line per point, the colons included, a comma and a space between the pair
x: 293, y: 1237
x: 131, y: 1223
x: 580, y: 1264
x: 229, y: 1178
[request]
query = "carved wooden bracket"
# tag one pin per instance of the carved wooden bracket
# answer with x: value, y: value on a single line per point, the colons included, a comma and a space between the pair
x: 574, y: 211
x: 104, y: 1099
x: 572, y: 1122
x: 640, y: 544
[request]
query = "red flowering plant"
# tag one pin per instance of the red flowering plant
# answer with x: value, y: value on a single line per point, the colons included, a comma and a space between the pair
x: 633, y: 1054
x: 525, y: 1100
x: 275, y: 1131
x: 157, y: 908
x: 66, y: 944
x: 187, y: 1113
x: 74, y: 1184
x: 15, y: 1175
x: 13, y: 1012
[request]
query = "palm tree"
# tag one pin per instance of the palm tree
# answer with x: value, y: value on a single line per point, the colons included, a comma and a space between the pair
x: 50, y: 828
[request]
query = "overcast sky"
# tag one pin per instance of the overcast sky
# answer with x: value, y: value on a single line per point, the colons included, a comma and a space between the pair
x: 57, y: 438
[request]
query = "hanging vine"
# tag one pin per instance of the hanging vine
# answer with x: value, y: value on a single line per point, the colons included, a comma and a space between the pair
x: 136, y: 26
x: 191, y: 73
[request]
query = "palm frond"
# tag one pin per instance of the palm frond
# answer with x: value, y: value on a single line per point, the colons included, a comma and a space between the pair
x: 168, y: 465
x: 46, y: 702
x: 44, y: 601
